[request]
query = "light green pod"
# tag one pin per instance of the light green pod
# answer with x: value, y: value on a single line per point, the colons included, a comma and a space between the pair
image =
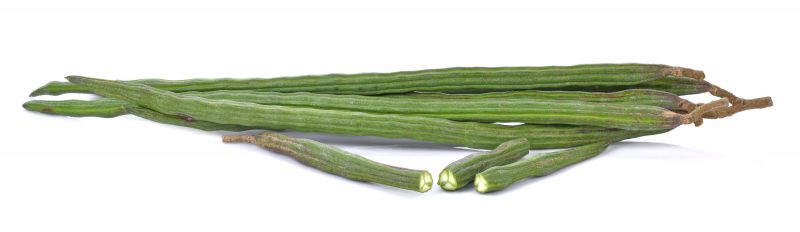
x: 338, y: 162
x: 500, y: 177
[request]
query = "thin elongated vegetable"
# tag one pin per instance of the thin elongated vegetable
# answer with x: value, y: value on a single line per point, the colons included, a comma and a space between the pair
x: 338, y: 162
x: 626, y: 97
x: 675, y: 85
x: 476, y: 135
x: 109, y: 107
x: 500, y: 177
x: 471, y: 79
x: 461, y: 172
x: 629, y: 117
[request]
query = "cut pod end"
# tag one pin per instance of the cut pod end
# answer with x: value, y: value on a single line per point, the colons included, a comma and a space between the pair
x: 448, y: 181
x: 425, y: 182
x: 480, y: 184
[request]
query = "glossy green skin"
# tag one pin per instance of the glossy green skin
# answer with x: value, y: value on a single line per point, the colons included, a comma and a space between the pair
x: 470, y: 134
x: 108, y: 108
x: 469, y: 79
x: 463, y: 171
x: 500, y: 177
x: 341, y: 163
x: 626, y: 97
x: 629, y: 117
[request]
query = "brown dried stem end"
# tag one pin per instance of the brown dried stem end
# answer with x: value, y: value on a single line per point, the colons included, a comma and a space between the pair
x: 745, y: 104
x: 687, y: 105
x: 720, y: 92
x: 685, y: 72
x: 697, y: 114
x: 239, y: 139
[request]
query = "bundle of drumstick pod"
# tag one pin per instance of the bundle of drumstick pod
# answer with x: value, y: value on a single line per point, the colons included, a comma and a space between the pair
x: 506, y: 110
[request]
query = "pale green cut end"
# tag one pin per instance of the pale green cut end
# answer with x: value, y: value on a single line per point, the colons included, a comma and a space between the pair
x: 447, y: 181
x: 442, y: 178
x: 480, y: 184
x: 425, y: 182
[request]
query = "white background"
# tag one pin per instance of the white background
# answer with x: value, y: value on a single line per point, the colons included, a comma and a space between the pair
x: 128, y: 174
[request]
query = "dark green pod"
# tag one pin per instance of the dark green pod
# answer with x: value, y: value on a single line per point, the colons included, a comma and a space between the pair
x: 646, y: 97
x: 462, y: 79
x: 476, y: 135
x: 338, y: 162
x: 535, y: 111
x: 461, y: 172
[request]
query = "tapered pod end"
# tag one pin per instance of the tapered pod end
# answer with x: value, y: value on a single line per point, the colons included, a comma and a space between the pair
x: 425, y: 181
x: 32, y: 106
x: 447, y: 180
x: 685, y: 72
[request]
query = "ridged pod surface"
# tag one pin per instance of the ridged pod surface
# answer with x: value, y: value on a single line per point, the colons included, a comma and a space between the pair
x: 461, y: 172
x: 647, y: 97
x: 338, y: 162
x: 109, y: 107
x: 470, y: 134
x: 500, y: 177
x: 463, y: 79
x: 536, y: 111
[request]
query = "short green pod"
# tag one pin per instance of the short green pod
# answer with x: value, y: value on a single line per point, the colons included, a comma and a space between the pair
x: 339, y: 162
x: 500, y: 177
x: 109, y: 107
x: 470, y: 134
x: 461, y: 79
x: 463, y: 171
x: 646, y: 97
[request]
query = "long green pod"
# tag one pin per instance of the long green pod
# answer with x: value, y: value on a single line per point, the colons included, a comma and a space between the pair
x: 535, y: 111
x: 675, y: 85
x: 109, y: 107
x: 648, y: 97
x: 338, y: 162
x: 104, y: 107
x: 470, y: 134
x: 500, y: 177
x: 459, y: 173
x: 473, y: 79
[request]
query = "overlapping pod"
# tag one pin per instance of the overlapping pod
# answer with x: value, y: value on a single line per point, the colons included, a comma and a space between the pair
x: 593, y: 77
x: 338, y: 162
x: 536, y: 111
x: 470, y: 134
x: 109, y: 107
x: 647, y: 97
x: 500, y: 177
x: 461, y: 172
